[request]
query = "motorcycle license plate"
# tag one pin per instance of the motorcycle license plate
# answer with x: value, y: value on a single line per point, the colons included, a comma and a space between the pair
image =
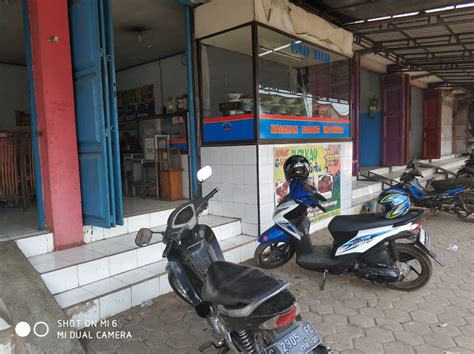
x: 301, y: 340
x: 424, y: 238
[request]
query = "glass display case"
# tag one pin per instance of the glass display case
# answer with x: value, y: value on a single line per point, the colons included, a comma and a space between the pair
x: 257, y: 83
x: 227, y: 86
x: 303, y: 89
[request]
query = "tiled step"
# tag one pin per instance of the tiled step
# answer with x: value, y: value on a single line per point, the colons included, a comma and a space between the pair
x: 119, y: 292
x: 43, y: 243
x: 36, y: 245
x: 79, y: 266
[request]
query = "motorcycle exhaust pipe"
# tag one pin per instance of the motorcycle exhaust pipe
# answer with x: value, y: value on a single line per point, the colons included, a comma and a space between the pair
x: 378, y: 274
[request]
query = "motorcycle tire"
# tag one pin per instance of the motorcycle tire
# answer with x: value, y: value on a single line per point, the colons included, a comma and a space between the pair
x: 269, y: 262
x: 177, y: 288
x: 409, y: 252
x: 466, y: 215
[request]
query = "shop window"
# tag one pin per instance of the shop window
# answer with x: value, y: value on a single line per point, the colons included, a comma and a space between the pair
x: 303, y: 89
x: 227, y: 86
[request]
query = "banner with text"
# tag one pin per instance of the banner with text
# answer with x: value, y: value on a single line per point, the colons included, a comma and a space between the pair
x: 325, y: 175
x: 274, y: 126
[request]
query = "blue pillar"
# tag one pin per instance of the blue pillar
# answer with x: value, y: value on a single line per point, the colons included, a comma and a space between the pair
x: 191, y: 109
x: 34, y: 122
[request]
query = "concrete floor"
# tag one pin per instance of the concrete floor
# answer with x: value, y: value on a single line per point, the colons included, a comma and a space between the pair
x: 27, y: 299
x: 352, y: 315
x: 16, y: 223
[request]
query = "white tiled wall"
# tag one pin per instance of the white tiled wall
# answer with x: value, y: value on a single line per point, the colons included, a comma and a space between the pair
x: 235, y: 174
x: 267, y: 202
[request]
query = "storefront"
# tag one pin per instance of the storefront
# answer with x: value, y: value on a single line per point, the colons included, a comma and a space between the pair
x: 274, y: 81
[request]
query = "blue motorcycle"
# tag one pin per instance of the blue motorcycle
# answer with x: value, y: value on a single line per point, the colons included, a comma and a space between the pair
x: 393, y: 251
x: 453, y: 195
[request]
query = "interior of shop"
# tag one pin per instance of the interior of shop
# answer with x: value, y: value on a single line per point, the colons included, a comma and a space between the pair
x: 149, y: 43
x: 17, y: 176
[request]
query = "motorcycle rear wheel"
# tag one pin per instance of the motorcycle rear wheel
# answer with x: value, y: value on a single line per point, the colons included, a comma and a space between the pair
x: 407, y: 255
x: 273, y: 254
x: 466, y: 213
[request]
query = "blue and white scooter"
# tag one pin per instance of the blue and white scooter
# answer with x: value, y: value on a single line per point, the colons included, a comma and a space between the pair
x: 371, y: 246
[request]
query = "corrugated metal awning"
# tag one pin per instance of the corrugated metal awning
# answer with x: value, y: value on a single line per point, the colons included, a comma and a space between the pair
x: 431, y: 37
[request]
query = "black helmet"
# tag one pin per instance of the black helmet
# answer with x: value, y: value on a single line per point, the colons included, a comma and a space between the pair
x: 296, y: 166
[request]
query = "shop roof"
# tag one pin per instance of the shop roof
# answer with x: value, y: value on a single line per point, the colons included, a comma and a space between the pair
x: 423, y: 37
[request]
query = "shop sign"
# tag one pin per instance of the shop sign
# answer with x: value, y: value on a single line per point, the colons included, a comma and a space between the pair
x: 302, y: 49
x: 228, y: 128
x: 275, y: 126
x: 325, y: 175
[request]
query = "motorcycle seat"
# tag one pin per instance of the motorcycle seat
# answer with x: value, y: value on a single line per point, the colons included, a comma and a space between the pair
x: 344, y: 226
x: 237, y: 286
x: 452, y: 183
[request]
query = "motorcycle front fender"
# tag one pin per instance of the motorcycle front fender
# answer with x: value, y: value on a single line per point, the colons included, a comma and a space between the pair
x: 182, y: 277
x: 274, y: 234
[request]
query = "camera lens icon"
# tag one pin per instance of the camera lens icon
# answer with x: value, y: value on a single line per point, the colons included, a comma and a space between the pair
x: 22, y: 329
x: 40, y: 329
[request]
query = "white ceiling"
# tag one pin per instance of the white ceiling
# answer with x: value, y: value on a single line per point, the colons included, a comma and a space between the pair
x: 162, y: 22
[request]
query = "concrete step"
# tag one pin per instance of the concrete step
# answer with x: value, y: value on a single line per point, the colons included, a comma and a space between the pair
x: 365, y: 191
x: 361, y: 188
x: 377, y: 170
x: 79, y: 266
x: 119, y: 292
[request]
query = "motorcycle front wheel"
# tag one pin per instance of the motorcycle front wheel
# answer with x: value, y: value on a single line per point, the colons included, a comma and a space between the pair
x: 417, y: 266
x: 465, y: 211
x: 273, y: 254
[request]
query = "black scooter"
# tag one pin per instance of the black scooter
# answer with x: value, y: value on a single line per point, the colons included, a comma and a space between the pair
x: 452, y: 195
x: 247, y: 310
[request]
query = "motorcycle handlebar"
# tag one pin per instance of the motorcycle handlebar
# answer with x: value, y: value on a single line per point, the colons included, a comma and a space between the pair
x: 203, y: 201
x: 211, y: 194
x: 323, y: 209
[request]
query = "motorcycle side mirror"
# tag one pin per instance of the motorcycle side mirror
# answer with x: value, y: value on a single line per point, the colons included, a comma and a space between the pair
x: 143, y: 237
x: 412, y: 163
x: 418, y: 173
x: 204, y: 173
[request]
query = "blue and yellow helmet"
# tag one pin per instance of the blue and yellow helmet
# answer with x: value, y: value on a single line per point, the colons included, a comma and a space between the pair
x: 395, y: 203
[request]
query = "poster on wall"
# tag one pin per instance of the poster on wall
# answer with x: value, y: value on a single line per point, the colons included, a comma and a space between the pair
x: 325, y: 175
x: 136, y: 103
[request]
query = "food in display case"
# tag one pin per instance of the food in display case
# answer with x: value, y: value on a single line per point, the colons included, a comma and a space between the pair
x: 237, y: 103
x: 282, y: 104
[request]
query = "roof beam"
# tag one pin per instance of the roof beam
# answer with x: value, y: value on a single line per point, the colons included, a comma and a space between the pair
x: 435, y: 21
x: 421, y: 17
